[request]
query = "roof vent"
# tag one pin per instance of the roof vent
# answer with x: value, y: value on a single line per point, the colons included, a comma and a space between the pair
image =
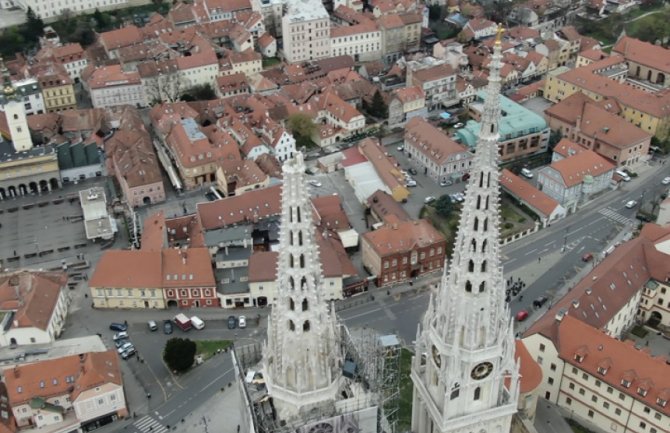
x: 560, y: 315
x: 588, y: 291
x: 575, y: 303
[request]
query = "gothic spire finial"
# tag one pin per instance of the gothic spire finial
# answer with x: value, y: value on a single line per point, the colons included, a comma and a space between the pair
x: 499, y: 33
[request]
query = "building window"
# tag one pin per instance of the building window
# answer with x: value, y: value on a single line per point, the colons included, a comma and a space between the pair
x: 571, y: 385
x: 590, y: 414
x: 617, y: 411
x: 553, y: 367
x: 606, y: 405
x: 550, y: 381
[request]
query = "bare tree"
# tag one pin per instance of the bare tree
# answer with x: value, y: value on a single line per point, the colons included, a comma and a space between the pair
x: 164, y: 87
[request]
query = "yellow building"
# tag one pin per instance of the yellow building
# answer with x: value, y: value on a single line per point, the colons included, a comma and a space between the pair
x: 606, y: 79
x: 57, y: 89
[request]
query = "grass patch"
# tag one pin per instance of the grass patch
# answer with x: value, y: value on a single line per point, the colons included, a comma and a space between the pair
x: 447, y: 226
x: 443, y: 30
x: 269, y: 62
x: 639, y: 331
x: 406, y: 389
x: 208, y: 348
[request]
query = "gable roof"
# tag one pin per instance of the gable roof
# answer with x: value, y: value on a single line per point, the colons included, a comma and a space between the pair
x: 250, y: 206
x: 593, y: 351
x: 644, y: 53
x: 128, y: 269
x: 403, y: 237
x: 574, y: 169
x: 527, y: 193
x: 33, y: 295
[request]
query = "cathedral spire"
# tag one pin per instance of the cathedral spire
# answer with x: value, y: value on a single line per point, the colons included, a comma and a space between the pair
x: 469, y: 376
x: 302, y: 355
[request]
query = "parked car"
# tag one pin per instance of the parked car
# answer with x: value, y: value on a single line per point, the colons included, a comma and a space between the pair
x: 526, y: 173
x: 521, y: 316
x: 153, y: 326
x: 119, y: 343
x: 232, y: 322
x: 411, y: 183
x: 400, y: 148
x: 429, y: 199
x: 315, y: 183
x: 125, y: 347
x: 118, y: 327
x: 128, y: 353
x: 242, y: 322
x: 666, y: 181
x: 539, y: 302
x: 458, y: 125
x: 167, y: 327
x: 120, y: 336
x: 413, y: 171
x: 445, y: 182
x: 631, y: 204
x: 460, y: 197
x: 587, y: 257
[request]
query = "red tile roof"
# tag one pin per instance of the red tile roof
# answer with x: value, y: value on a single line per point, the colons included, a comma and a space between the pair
x: 263, y: 266
x: 248, y: 207
x: 587, y: 163
x: 402, y: 237
x: 530, y: 371
x: 527, y: 193
x: 188, y: 267
x: 431, y: 141
x: 644, y: 53
x: 128, y: 35
x: 128, y: 269
x: 32, y: 295
x: 648, y: 377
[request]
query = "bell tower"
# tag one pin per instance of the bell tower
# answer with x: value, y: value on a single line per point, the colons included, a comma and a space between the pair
x: 302, y: 357
x: 464, y: 373
x: 15, y: 113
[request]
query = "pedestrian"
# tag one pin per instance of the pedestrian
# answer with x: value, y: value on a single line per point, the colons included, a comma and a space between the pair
x: 539, y: 259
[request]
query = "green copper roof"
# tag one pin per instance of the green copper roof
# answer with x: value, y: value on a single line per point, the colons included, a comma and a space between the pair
x: 515, y: 121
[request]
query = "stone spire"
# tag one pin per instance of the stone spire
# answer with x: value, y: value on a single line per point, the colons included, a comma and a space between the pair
x: 467, y: 331
x: 302, y: 356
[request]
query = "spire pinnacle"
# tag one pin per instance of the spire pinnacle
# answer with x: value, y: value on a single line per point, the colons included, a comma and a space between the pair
x: 499, y: 33
x: 302, y: 353
x: 8, y: 89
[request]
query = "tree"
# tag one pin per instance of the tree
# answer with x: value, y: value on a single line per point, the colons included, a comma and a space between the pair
x: 166, y: 87
x: 33, y: 28
x: 203, y: 92
x: 179, y: 353
x: 434, y: 12
x: 378, y: 107
x: 444, y: 206
x: 302, y: 127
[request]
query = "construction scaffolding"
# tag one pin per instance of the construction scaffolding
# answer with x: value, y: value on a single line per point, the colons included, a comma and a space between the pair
x: 374, y: 360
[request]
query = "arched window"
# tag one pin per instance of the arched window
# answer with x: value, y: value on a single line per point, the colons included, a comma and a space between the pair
x: 481, y: 179
x: 304, y: 304
x: 302, y: 261
x: 291, y: 304
x: 305, y: 326
x: 487, y: 203
x: 476, y: 227
x: 471, y: 266
x: 478, y: 393
x: 468, y: 286
x: 482, y: 286
x: 300, y: 238
x: 473, y: 246
x: 298, y: 213
x: 479, y: 201
x: 488, y: 180
x: 291, y: 283
x: 454, y: 393
x: 486, y: 224
x: 484, y: 266
x: 484, y: 246
x: 291, y: 326
x: 290, y: 260
x: 303, y: 283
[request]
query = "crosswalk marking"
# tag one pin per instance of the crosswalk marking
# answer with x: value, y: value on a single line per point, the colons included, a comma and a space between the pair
x: 148, y: 424
x: 615, y: 216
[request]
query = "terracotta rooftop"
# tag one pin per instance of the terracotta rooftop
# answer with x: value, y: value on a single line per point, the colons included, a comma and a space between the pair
x: 248, y: 207
x: 619, y: 364
x: 185, y: 231
x: 528, y: 193
x: 329, y: 213
x: 432, y: 142
x: 187, y: 267
x: 402, y: 237
x: 69, y: 375
x: 263, y: 266
x: 32, y: 295
x: 384, y: 206
x: 644, y: 53
x: 242, y: 173
x: 131, y: 269
x: 409, y: 94
x: 433, y: 73
x: 153, y: 232
x: 567, y: 148
x: 128, y: 35
x: 530, y: 371
x: 385, y: 166
x: 587, y: 163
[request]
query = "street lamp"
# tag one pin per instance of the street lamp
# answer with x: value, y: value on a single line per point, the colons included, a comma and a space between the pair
x: 565, y: 239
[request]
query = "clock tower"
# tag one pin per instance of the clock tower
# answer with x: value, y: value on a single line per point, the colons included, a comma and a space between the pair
x: 464, y: 373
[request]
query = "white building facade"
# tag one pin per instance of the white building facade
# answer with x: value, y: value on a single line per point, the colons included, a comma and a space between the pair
x: 50, y: 10
x: 468, y: 379
x: 306, y: 31
x: 362, y: 42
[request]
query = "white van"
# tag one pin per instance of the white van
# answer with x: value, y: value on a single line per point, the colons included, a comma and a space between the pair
x: 197, y: 322
x: 623, y: 175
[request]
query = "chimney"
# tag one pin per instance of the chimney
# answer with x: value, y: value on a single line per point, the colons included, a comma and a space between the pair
x: 17, y: 372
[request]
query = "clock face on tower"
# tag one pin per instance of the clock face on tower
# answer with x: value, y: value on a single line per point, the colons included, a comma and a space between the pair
x: 481, y: 370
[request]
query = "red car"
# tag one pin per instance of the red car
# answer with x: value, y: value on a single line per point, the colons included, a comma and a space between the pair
x: 521, y: 316
x: 587, y: 257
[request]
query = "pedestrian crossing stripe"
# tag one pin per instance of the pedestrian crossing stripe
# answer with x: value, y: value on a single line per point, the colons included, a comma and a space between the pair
x: 148, y: 424
x: 615, y: 216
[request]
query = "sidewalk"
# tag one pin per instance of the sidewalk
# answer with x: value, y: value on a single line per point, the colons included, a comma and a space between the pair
x: 221, y: 414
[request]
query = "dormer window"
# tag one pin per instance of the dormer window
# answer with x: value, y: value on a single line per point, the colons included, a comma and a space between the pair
x: 625, y: 383
x: 602, y: 370
x: 579, y: 358
x: 642, y: 391
x: 661, y: 402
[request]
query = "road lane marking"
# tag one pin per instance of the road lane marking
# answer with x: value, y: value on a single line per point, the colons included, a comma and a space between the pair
x: 531, y: 251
